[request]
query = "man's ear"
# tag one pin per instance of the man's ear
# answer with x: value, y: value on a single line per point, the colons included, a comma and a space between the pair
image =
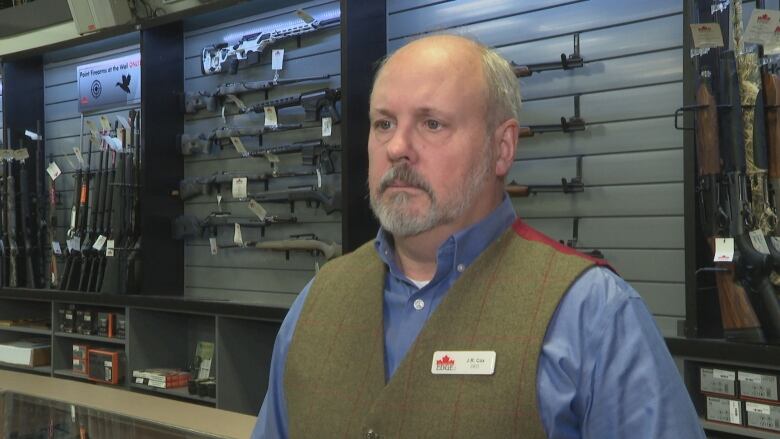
x: 506, y: 145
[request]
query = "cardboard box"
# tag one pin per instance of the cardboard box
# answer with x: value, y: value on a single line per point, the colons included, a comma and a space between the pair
x: 757, y: 386
x: 26, y: 352
x: 718, y: 381
x: 763, y: 416
x: 724, y: 410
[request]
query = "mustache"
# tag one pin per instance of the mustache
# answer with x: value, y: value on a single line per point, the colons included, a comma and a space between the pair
x: 406, y: 175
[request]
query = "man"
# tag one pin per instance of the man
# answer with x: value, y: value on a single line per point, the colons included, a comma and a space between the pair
x: 459, y: 320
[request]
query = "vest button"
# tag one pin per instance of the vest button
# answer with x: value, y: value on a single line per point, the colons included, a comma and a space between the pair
x: 371, y: 434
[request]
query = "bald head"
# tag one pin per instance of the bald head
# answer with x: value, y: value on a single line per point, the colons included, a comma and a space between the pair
x: 495, y: 80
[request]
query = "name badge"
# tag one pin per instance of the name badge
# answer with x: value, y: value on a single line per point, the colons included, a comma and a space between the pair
x: 463, y: 363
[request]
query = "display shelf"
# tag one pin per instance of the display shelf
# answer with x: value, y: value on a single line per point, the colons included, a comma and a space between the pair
x: 727, y: 352
x: 737, y: 429
x: 97, y: 338
x: 40, y: 369
x: 178, y: 392
x: 70, y: 374
x: 25, y: 330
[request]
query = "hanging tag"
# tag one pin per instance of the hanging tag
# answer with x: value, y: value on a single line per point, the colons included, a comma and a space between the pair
x: 70, y: 244
x: 55, y: 247
x: 21, y: 154
x: 99, y: 243
x: 238, y: 145
x: 115, y: 144
x: 77, y: 243
x: 92, y: 130
x: 213, y: 245
x: 303, y: 15
x: 319, y: 178
x: 237, y: 239
x: 719, y: 6
x: 32, y: 135
x: 53, y: 170
x: 724, y: 249
x: 122, y: 120
x: 239, y: 188
x: 706, y: 35
x: 6, y: 154
x: 759, y: 242
x: 105, y: 123
x: 73, y: 217
x: 110, y: 248
x: 277, y: 58
x: 224, y: 119
x: 79, y: 157
x: 327, y: 126
x: 761, y: 27
x: 270, y: 117
x: 219, y: 202
x: 257, y: 209
x: 234, y: 99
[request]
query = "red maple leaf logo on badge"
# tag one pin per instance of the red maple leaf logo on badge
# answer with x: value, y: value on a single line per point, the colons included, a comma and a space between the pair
x: 445, y: 361
x: 764, y: 18
x: 777, y: 29
x: 704, y: 28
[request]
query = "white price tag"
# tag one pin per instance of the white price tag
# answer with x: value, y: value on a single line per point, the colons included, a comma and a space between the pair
x: 53, y: 170
x: 105, y: 124
x: 257, y: 209
x: 79, y: 157
x: 32, y: 135
x: 761, y: 27
x: 55, y: 247
x: 21, y: 154
x: 319, y: 179
x: 239, y: 188
x: 237, y: 238
x: 73, y: 218
x: 706, y: 35
x: 123, y: 121
x: 277, y: 58
x: 77, y: 243
x: 99, y: 243
x: 270, y: 117
x: 205, y: 369
x: 219, y: 202
x: 93, y: 131
x: 724, y: 374
x: 316, y: 267
x: 724, y: 249
x: 759, y: 242
x: 110, y: 248
x: 71, y: 244
x: 113, y: 143
x: 6, y: 154
x: 752, y: 407
x: 735, y: 412
x: 236, y: 141
x: 213, y: 245
x: 750, y: 377
x: 327, y: 126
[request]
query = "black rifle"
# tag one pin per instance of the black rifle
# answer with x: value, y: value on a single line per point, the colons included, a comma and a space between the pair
x: 192, y: 187
x: 26, y: 222
x: 13, y: 249
x: 40, y: 204
x: 52, y: 232
x: 211, y: 101
x: 82, y: 214
x: 70, y: 261
x: 87, y: 252
x: 133, y: 267
x: 309, y: 194
x: 313, y: 153
x: 202, y: 143
x: 574, y: 123
x: 116, y: 209
x: 317, y: 104
x: 192, y: 227
x: 574, y: 60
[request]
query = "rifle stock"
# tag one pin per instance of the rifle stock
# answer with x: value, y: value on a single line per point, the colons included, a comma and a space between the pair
x: 328, y: 249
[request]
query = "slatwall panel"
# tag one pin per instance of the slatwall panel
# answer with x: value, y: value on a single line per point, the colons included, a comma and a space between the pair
x: 1, y: 109
x: 63, y: 120
x: 631, y: 83
x: 245, y: 274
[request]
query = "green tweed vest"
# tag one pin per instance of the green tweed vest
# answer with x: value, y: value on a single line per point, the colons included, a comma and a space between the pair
x: 334, y: 377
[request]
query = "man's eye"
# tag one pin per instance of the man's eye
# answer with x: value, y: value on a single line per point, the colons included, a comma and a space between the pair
x: 432, y: 124
x: 383, y: 124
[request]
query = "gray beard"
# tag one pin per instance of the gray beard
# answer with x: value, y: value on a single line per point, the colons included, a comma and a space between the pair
x: 393, y: 211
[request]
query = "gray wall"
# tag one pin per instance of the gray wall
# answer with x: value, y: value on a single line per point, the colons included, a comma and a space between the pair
x: 632, y: 206
x: 245, y: 274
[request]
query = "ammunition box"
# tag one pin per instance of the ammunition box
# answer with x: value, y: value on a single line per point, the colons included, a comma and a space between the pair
x: 757, y: 386
x: 718, y: 381
x: 724, y: 410
x: 105, y: 365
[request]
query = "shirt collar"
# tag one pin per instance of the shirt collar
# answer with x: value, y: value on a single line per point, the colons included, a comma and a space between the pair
x: 460, y: 249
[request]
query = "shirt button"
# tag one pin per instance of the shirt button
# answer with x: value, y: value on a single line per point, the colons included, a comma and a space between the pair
x: 460, y: 268
x: 370, y: 434
x: 387, y: 252
x: 419, y: 304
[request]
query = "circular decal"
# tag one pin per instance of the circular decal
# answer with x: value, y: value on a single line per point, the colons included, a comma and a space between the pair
x: 96, y: 88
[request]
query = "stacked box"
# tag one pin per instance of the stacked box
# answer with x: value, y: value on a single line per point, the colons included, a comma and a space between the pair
x: 80, y: 358
x: 757, y: 386
x: 120, y: 326
x: 718, y: 381
x: 86, y: 322
x: 105, y: 326
x: 724, y: 410
x: 105, y: 365
x: 69, y: 320
x: 762, y: 416
x: 161, y: 378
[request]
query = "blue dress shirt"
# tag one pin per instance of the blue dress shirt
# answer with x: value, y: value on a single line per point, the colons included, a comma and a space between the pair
x: 604, y: 370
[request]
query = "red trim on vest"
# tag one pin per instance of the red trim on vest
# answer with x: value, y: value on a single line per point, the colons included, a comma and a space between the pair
x: 531, y: 234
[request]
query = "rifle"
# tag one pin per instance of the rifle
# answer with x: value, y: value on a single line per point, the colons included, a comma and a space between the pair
x: 574, y: 123
x: 522, y: 191
x: 13, y: 249
x: 40, y: 204
x: 201, y: 143
x: 95, y: 197
x: 329, y: 203
x: 3, y: 222
x: 313, y: 153
x: 26, y: 221
x: 329, y: 250
x: 195, y: 101
x: 192, y: 187
x: 574, y: 60
x: 214, y: 57
x: 133, y: 266
x: 191, y: 227
x: 317, y: 104
x: 52, y: 231
x: 78, y: 193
